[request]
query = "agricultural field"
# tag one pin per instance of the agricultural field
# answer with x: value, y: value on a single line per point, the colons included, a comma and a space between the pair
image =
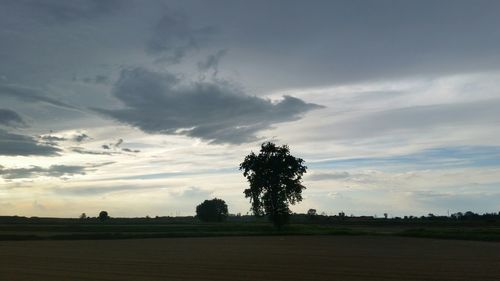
x: 20, y: 228
x: 251, y: 258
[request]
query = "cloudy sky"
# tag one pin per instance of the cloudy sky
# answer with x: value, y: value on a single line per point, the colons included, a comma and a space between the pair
x: 148, y: 107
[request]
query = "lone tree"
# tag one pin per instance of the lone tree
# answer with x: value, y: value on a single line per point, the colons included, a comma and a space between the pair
x: 275, y: 179
x: 214, y: 210
x: 103, y: 215
x: 311, y: 212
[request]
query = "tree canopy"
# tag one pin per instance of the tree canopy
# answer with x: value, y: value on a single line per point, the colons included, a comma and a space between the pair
x: 214, y: 210
x: 275, y: 179
x: 103, y: 215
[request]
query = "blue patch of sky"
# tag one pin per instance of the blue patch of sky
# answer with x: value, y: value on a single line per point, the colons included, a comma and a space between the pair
x: 482, y: 198
x: 436, y: 158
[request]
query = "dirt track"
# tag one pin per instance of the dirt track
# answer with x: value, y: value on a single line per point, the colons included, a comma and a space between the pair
x: 251, y: 258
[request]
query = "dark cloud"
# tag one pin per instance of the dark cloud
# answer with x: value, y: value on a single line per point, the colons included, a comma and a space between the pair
x: 115, y: 145
x: 98, y: 79
x: 300, y: 44
x: 213, y: 111
x: 82, y: 150
x: 173, y: 37
x: 50, y: 139
x: 11, y: 118
x: 118, y: 143
x: 81, y: 137
x: 36, y: 171
x: 21, y: 145
x: 131, y: 150
x: 30, y: 95
x: 211, y: 63
x: 62, y: 12
x: 294, y: 42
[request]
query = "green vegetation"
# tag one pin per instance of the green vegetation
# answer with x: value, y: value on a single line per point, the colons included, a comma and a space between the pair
x: 214, y: 210
x: 275, y: 179
x: 21, y: 228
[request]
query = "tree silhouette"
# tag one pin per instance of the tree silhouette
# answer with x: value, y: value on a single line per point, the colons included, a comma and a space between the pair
x: 214, y: 210
x: 275, y: 179
x: 311, y: 212
x: 103, y: 215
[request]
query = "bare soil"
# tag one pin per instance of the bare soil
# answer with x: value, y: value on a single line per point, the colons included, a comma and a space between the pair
x: 251, y: 258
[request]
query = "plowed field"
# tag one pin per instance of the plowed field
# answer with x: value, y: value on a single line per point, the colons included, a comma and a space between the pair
x: 251, y: 258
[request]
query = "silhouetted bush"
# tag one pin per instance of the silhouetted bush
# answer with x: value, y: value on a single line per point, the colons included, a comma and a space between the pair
x: 103, y: 215
x: 214, y: 210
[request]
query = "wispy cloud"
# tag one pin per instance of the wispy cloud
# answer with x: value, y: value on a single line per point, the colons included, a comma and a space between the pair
x: 36, y: 171
x: 30, y: 95
x: 82, y: 150
x: 440, y: 158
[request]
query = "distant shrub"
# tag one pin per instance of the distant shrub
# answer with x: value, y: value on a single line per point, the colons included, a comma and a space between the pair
x: 214, y: 210
x: 103, y: 215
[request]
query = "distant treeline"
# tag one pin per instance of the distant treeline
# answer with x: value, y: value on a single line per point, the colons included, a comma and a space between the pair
x: 310, y: 217
x: 466, y: 226
x: 469, y: 215
x: 456, y: 218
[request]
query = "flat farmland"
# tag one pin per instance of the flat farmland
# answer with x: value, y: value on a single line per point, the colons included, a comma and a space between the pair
x: 251, y: 258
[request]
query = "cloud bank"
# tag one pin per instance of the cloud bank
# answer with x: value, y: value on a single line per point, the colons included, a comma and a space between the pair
x: 173, y: 37
x: 62, y: 12
x: 10, y: 118
x: 20, y: 145
x: 213, y: 111
x: 36, y: 171
x: 30, y: 95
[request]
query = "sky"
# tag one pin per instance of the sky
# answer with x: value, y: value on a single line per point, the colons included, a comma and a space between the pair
x: 148, y: 107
